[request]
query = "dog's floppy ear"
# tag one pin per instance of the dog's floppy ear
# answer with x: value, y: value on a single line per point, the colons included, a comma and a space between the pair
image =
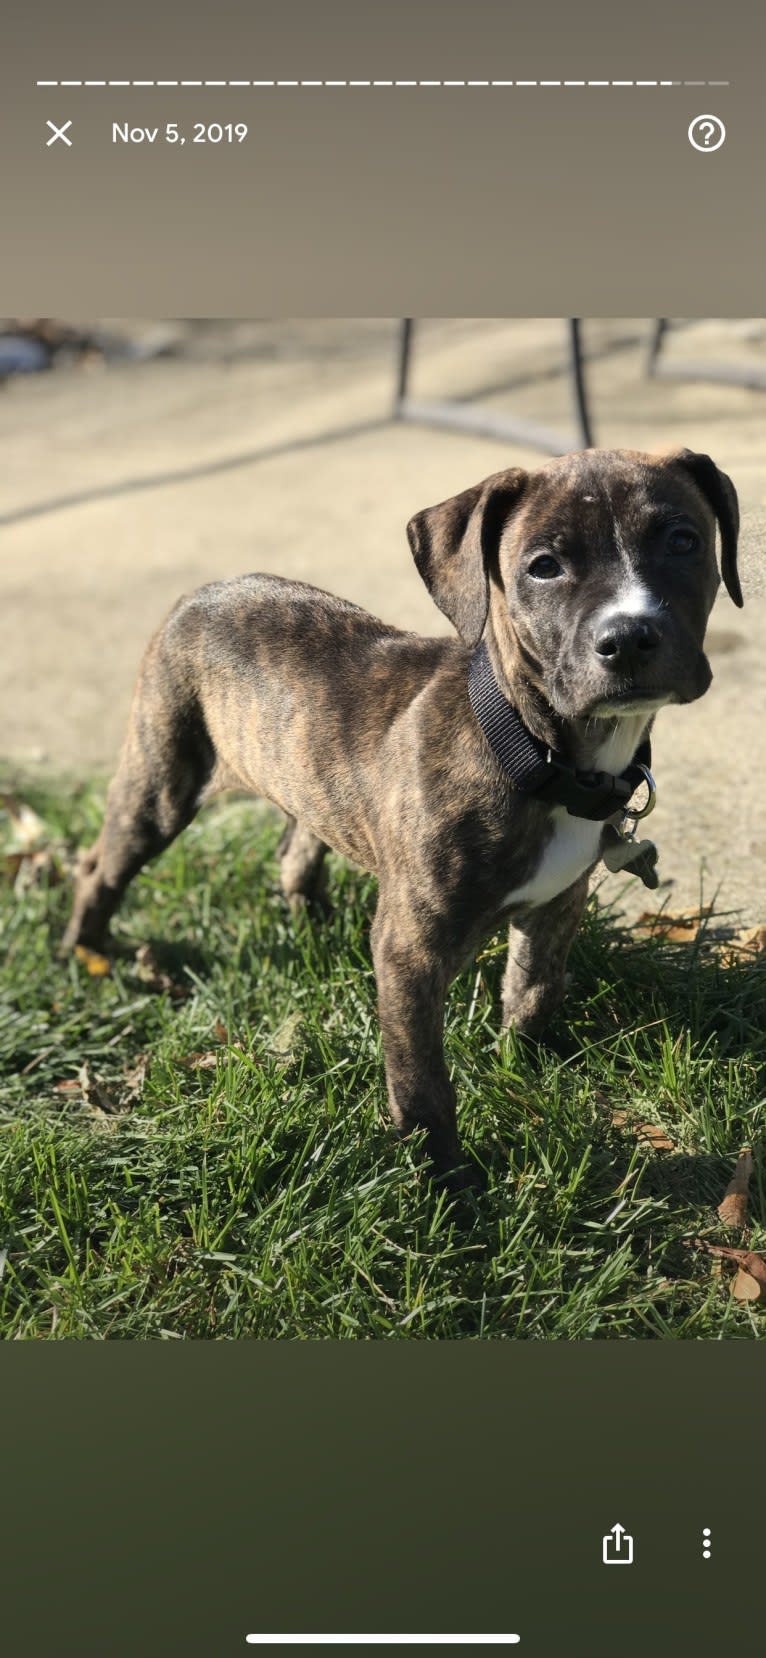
x: 720, y: 494
x: 451, y: 545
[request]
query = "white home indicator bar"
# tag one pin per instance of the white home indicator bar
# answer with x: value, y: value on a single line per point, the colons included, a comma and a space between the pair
x: 383, y: 1640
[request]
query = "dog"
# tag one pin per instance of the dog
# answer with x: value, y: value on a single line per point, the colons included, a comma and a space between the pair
x: 473, y: 775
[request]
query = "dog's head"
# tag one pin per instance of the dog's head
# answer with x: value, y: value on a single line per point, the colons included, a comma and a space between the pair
x: 595, y: 574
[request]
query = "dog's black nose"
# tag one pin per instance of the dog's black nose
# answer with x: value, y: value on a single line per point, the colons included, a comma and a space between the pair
x: 625, y: 639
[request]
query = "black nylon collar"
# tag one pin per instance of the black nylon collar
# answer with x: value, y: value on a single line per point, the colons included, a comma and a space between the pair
x: 536, y: 769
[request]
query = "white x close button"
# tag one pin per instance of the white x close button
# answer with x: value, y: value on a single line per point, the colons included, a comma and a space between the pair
x: 58, y: 132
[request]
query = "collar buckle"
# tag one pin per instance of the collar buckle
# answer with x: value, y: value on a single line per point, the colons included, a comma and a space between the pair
x: 595, y: 795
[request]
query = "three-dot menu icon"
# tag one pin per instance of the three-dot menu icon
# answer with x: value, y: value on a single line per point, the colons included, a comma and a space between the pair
x: 706, y: 1542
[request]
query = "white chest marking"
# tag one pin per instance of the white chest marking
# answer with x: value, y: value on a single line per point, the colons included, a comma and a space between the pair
x: 574, y: 843
x: 572, y: 848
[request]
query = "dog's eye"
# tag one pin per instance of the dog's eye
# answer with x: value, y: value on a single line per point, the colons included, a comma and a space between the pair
x: 544, y: 567
x: 682, y: 540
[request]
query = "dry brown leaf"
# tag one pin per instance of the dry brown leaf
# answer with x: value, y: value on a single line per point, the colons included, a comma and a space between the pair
x: 28, y: 828
x: 756, y: 1266
x: 678, y: 926
x: 91, y: 1091
x: 94, y: 963
x: 746, y: 1260
x: 748, y: 942
x: 732, y: 1209
x: 135, y: 1078
x: 649, y: 1133
x: 745, y: 1287
x: 654, y: 1136
x: 94, y: 1093
x: 221, y: 1031
x: 201, y: 1061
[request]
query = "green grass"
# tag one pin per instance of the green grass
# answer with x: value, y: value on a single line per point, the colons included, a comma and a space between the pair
x: 261, y: 1193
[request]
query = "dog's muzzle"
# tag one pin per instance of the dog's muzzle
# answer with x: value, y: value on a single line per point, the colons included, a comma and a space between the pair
x: 625, y: 644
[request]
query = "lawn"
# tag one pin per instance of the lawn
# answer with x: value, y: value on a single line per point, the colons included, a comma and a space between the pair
x: 196, y: 1144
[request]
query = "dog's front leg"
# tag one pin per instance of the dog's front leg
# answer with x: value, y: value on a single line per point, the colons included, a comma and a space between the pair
x: 412, y: 984
x: 539, y: 942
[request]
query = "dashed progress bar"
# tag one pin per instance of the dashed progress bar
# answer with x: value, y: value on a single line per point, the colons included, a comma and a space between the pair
x: 332, y: 85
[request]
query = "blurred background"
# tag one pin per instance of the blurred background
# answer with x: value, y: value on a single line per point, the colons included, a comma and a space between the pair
x: 141, y: 458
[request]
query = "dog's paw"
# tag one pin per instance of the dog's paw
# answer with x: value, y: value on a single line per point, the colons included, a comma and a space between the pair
x: 464, y: 1179
x: 78, y: 938
x: 308, y: 909
x: 83, y: 943
x: 537, y: 1034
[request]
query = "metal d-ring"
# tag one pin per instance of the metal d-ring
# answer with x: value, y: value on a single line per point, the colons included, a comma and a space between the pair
x: 651, y: 800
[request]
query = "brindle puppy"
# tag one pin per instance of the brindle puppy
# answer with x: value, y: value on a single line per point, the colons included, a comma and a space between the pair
x: 590, y: 582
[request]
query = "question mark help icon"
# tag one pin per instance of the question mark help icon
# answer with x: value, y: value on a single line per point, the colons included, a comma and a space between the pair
x: 706, y: 133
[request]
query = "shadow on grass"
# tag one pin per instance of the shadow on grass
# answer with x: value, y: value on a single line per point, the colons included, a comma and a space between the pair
x: 175, y: 957
x: 626, y: 990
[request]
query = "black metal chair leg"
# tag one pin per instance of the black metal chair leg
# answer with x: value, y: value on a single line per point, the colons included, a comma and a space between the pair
x: 659, y: 331
x: 461, y: 416
x: 582, y: 411
x: 403, y: 367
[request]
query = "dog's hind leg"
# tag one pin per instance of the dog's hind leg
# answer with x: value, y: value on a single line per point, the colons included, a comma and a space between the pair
x: 301, y: 854
x: 166, y: 761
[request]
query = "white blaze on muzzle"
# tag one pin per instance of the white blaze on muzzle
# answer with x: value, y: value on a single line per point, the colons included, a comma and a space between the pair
x: 634, y: 599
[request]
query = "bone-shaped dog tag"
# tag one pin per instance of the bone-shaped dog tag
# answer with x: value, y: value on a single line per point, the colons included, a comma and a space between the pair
x: 645, y: 865
x: 635, y: 857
